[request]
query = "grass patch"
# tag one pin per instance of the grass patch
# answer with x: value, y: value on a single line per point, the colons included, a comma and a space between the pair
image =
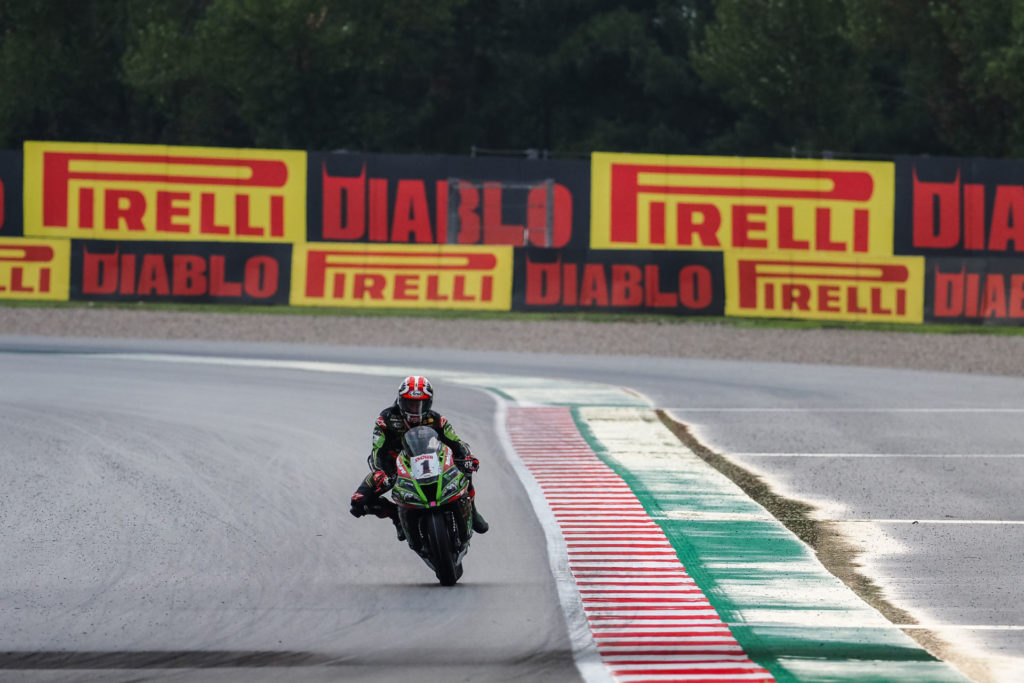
x: 589, y: 317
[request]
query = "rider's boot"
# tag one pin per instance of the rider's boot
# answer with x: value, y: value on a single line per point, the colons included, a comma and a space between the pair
x: 480, y: 524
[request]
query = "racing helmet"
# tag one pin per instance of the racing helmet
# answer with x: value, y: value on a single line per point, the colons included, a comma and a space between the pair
x: 415, y: 397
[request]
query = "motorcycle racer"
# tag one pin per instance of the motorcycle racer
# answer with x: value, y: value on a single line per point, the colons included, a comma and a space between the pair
x: 412, y: 407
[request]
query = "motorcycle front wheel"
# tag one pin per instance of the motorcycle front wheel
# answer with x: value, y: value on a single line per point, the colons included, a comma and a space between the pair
x: 439, y: 541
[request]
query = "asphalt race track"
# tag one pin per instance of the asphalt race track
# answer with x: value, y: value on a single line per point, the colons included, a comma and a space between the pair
x: 190, y: 521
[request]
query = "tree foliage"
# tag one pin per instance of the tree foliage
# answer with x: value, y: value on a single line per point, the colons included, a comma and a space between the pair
x: 863, y: 77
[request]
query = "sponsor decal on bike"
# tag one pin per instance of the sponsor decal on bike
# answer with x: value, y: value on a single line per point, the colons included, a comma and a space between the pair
x: 34, y: 269
x: 151, y: 192
x: 651, y: 202
x: 429, y: 276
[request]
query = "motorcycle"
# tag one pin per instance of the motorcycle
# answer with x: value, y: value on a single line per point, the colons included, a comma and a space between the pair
x: 434, y: 507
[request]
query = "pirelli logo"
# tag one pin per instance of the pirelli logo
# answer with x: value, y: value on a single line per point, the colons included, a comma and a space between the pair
x: 400, y: 276
x: 34, y: 269
x: 867, y: 290
x: 710, y: 203
x: 144, y: 192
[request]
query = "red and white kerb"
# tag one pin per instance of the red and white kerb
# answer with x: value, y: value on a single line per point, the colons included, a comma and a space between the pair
x: 649, y: 619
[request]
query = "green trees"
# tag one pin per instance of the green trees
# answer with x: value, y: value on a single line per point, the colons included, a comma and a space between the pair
x: 569, y: 76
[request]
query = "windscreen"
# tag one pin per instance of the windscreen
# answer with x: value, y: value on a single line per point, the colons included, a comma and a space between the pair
x: 422, y: 445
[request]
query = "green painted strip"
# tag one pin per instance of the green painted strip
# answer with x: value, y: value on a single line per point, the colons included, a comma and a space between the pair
x: 788, y: 613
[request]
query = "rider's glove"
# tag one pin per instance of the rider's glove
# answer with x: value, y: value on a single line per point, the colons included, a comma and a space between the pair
x: 380, y: 481
x: 358, y: 505
x: 469, y: 464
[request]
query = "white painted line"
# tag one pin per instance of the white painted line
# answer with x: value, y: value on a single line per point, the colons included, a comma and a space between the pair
x: 875, y: 455
x: 584, y: 648
x: 932, y: 521
x: 705, y: 409
x: 962, y: 627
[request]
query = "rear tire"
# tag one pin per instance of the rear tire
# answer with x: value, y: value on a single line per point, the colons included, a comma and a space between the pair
x: 440, y: 544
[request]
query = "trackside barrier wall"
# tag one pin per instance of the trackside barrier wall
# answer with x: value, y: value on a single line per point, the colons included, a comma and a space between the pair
x: 910, y: 240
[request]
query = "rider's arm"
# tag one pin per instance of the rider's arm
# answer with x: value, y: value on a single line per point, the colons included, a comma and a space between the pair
x: 451, y: 439
x: 375, y: 459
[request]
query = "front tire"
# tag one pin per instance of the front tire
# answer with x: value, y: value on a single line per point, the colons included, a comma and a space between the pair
x: 439, y: 542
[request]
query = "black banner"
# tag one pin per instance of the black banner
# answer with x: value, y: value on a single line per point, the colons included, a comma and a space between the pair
x: 414, y: 199
x: 684, y: 283
x: 959, y: 207
x: 195, y: 272
x: 974, y: 290
x: 11, y: 223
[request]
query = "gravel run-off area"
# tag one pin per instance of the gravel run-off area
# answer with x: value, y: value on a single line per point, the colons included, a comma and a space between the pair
x: 966, y: 353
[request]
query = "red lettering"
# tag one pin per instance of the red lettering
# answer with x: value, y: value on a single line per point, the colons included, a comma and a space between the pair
x: 344, y: 206
x: 657, y: 222
x: 949, y: 294
x: 786, y: 238
x: 262, y: 274
x: 695, y: 290
x: 655, y: 297
x: 189, y: 275
x: 99, y: 273
x: 242, y: 225
x: 936, y: 214
x: 469, y: 219
x: 971, y: 296
x: 593, y: 288
x: 17, y: 280
x: 495, y: 230
x: 1007, y: 219
x: 153, y: 277
x: 433, y: 289
x: 861, y: 230
x: 974, y: 216
x: 537, y: 215
x: 127, y: 285
x: 219, y: 285
x: 1016, y: 308
x: 406, y: 287
x: 86, y: 210
x: 412, y: 216
x: 208, y: 216
x: 994, y: 298
x: 459, y: 290
x: 371, y: 284
x: 167, y: 209
x: 627, y: 285
x: 378, y: 210
x: 130, y: 211
x: 276, y: 216
x: 796, y: 296
x: 876, y: 303
x: 542, y: 283
x: 823, y: 231
x: 853, y: 301
x: 706, y: 227
x: 743, y: 223
x: 828, y: 298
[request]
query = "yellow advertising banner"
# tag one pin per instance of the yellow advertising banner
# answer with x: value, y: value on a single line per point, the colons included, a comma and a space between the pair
x: 34, y: 270
x: 153, y: 192
x: 402, y: 276
x: 653, y: 202
x: 864, y: 289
